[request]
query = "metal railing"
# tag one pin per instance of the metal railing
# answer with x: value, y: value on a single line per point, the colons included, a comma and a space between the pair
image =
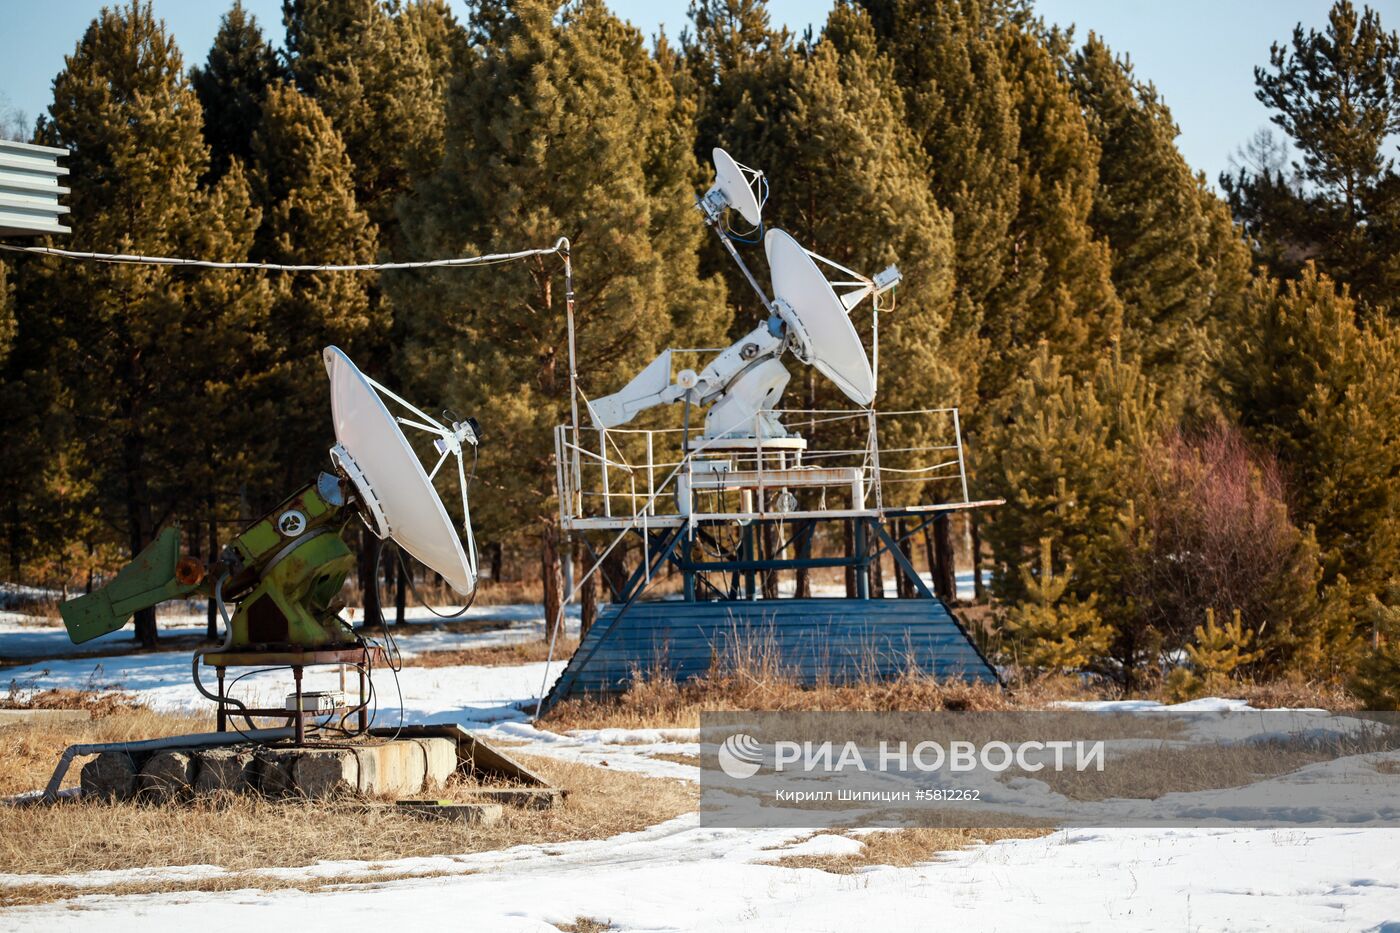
x: 840, y: 463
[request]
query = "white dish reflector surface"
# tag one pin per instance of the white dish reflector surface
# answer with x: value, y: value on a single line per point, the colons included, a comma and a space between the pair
x: 412, y: 510
x: 835, y: 347
x: 730, y: 179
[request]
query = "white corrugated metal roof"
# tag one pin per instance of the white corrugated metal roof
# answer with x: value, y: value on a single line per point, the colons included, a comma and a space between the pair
x: 30, y: 189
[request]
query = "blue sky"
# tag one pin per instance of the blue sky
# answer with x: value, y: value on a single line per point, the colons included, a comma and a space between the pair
x: 1199, y: 53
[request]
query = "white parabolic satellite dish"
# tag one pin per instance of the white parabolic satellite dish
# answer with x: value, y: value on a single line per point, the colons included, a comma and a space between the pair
x: 832, y: 343
x: 730, y: 179
x: 374, y: 452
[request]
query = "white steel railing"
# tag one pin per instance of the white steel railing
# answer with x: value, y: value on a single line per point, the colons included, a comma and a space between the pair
x: 840, y: 463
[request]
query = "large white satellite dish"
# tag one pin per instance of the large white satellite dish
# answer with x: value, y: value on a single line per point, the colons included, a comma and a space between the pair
x: 397, y: 492
x: 735, y: 183
x: 808, y: 304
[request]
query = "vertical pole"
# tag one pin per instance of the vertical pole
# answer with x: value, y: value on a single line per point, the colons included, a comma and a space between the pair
x: 565, y: 251
x: 607, y: 489
x: 962, y: 467
x: 750, y: 534
x: 862, y: 561
x: 651, y: 478
x: 875, y: 460
x: 221, y: 717
x: 689, y: 545
x: 299, y: 725
x: 363, y: 715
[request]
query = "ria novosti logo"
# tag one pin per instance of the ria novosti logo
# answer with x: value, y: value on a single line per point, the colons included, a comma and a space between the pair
x: 740, y: 756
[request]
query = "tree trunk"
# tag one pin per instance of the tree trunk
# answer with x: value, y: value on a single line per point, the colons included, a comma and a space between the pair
x: 400, y: 585
x: 588, y: 609
x: 211, y: 610
x: 369, y: 578
x: 905, y: 586
x: 848, y: 541
x: 804, y: 552
x: 14, y: 542
x: 140, y: 528
x: 614, y: 571
x: 770, y: 548
x: 497, y: 558
x: 551, y: 580
x: 945, y: 578
x: 979, y: 591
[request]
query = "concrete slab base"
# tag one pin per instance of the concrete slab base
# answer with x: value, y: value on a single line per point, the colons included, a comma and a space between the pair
x: 473, y: 814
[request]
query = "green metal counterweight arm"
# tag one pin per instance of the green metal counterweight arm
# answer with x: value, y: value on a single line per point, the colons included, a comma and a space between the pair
x: 157, y: 574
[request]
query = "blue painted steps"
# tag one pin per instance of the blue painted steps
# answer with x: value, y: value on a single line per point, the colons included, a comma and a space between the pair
x: 810, y: 640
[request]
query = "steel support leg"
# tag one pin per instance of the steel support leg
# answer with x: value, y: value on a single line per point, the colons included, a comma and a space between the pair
x: 221, y: 716
x: 299, y: 726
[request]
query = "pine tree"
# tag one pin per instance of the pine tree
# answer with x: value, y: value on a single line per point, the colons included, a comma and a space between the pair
x: 1069, y: 458
x: 1377, y: 680
x: 7, y: 315
x: 372, y: 75
x: 1060, y: 271
x: 232, y: 86
x: 305, y: 183
x: 1050, y: 632
x: 561, y: 125
x: 145, y: 352
x: 1171, y: 269
x: 1067, y: 454
x: 1336, y: 94
x: 959, y: 106
x: 1310, y: 382
x: 1217, y: 652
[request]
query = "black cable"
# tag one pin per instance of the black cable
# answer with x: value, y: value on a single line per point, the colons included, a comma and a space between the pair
x: 422, y: 602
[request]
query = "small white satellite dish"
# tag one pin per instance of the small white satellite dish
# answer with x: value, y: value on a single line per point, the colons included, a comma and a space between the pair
x: 734, y: 183
x: 817, y: 318
x: 397, y: 492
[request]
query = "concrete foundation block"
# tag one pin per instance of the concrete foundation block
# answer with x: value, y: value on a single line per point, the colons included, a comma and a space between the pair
x: 273, y: 772
x: 109, y: 776
x: 393, y: 768
x: 224, y: 769
x: 367, y: 775
x: 441, y: 759
x: 328, y: 772
x: 167, y: 774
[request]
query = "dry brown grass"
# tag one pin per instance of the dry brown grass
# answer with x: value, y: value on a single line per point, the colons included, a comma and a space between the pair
x: 901, y: 848
x: 29, y: 751
x: 1296, y: 693
x: 585, y: 925
x: 1151, y: 773
x: 98, y: 704
x: 658, y: 702
x: 526, y: 652
x: 244, y: 833
x: 45, y: 893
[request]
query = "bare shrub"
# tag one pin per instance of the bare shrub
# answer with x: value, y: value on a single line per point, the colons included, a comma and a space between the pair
x: 1213, y: 533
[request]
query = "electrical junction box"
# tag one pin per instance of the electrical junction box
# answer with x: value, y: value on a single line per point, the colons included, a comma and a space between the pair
x: 317, y: 701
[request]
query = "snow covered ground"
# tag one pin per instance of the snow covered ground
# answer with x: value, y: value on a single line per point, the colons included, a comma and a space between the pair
x: 682, y: 876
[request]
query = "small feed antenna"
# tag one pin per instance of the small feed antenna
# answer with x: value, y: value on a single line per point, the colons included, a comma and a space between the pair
x: 740, y: 188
